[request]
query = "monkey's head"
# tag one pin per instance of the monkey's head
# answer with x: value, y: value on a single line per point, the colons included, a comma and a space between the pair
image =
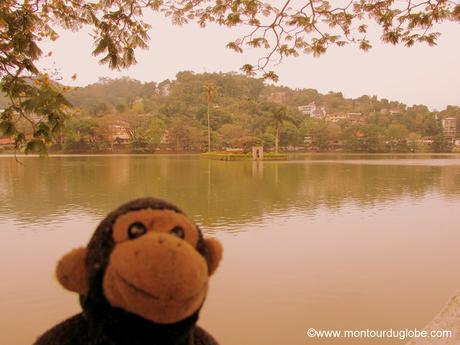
x: 146, y: 258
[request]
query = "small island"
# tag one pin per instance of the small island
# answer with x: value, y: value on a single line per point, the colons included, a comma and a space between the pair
x: 238, y: 156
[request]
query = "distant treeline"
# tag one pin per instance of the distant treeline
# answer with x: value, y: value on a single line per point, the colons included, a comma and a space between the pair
x: 126, y: 114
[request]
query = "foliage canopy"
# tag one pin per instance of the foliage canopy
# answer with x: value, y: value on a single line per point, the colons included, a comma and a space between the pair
x: 172, y: 115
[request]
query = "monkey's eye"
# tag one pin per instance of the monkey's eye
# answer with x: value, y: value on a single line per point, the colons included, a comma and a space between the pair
x: 178, y: 231
x: 136, y: 230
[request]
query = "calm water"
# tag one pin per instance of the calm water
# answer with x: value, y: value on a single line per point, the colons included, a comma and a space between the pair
x: 330, y: 242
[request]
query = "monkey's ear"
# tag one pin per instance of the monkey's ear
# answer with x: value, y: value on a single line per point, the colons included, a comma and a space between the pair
x: 71, y: 271
x: 215, y: 253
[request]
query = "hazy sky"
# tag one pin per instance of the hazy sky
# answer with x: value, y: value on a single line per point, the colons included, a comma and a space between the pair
x: 417, y: 75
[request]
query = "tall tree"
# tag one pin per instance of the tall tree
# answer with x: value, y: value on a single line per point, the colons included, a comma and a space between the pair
x: 278, y: 116
x: 210, y: 92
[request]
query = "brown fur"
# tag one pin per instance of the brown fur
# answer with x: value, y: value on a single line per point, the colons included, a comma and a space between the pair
x: 214, y: 252
x: 154, y: 220
x: 158, y: 276
x: 138, y: 287
x: 71, y: 272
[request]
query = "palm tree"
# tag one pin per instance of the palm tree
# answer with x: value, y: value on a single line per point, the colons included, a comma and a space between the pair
x: 211, y: 92
x: 278, y: 115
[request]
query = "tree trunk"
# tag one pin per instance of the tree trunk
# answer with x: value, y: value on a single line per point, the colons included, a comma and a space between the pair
x: 209, y: 132
x: 277, y: 138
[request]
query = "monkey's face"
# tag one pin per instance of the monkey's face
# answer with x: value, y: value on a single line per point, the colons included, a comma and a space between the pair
x: 155, y: 269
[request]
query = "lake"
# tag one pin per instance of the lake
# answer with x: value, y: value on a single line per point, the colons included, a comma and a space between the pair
x: 319, y: 241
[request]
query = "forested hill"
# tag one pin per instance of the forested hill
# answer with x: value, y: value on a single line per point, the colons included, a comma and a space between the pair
x: 245, y: 111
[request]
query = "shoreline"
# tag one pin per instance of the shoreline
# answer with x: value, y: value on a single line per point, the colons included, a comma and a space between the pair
x: 201, y: 155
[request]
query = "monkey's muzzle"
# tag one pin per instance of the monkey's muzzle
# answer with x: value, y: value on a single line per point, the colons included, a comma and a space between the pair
x: 158, y: 276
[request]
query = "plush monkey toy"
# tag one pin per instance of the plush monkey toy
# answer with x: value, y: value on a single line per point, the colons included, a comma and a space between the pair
x: 142, y: 279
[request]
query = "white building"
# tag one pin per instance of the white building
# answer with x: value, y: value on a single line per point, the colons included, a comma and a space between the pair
x: 312, y: 110
x: 449, y: 125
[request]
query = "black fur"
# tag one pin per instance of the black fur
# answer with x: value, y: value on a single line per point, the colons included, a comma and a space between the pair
x: 102, y: 324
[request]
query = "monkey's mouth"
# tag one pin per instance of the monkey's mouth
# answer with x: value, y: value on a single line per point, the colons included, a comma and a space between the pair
x: 135, y: 288
x: 146, y: 294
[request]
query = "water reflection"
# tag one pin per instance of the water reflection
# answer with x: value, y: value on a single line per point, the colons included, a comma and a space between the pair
x: 215, y: 193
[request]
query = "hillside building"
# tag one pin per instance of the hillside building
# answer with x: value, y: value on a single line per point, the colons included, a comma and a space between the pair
x: 348, y: 117
x: 337, y: 117
x: 449, y: 126
x: 118, y: 132
x: 312, y: 110
x: 355, y: 117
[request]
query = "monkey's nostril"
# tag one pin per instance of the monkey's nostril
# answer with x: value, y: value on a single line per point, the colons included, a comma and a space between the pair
x: 160, y: 241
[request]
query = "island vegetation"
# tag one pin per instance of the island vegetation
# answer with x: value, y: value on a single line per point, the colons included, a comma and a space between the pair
x: 126, y: 115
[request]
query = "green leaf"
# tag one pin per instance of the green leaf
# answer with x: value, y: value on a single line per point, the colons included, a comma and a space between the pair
x: 456, y: 13
x: 7, y: 128
x: 271, y: 76
x: 42, y: 130
x: 365, y: 45
x: 20, y: 139
x: 36, y: 146
x: 248, y: 69
x: 234, y: 46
